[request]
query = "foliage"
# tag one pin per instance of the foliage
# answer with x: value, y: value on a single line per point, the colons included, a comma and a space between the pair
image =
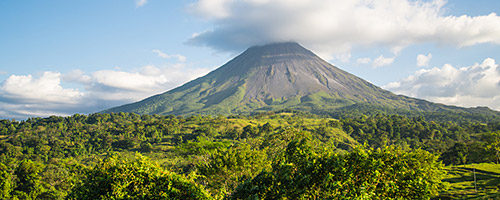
x: 494, y: 144
x: 228, y: 167
x: 388, y: 173
x: 50, y: 154
x: 458, y: 143
x: 5, y: 182
x: 135, y: 179
x: 28, y: 181
x: 456, y: 155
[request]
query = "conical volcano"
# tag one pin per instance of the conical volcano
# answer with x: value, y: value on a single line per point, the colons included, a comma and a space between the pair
x: 273, y: 77
x: 278, y: 72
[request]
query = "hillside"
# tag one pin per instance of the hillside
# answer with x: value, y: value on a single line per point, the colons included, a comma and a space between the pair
x: 281, y: 76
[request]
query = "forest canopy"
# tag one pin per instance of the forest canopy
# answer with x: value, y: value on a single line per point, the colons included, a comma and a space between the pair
x: 257, y: 156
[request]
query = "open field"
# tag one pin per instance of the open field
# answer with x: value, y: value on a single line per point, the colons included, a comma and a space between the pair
x: 461, y: 179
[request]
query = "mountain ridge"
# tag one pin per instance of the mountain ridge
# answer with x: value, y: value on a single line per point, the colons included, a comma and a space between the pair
x: 273, y: 77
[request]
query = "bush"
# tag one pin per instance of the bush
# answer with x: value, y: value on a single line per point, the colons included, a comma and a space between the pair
x: 387, y: 173
x: 135, y: 179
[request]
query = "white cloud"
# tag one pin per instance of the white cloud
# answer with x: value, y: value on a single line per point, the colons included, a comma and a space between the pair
x: 423, y: 60
x: 47, y: 88
x: 331, y: 27
x: 363, y: 60
x: 146, y: 81
x: 474, y: 85
x: 128, y: 81
x: 139, y: 3
x: 27, y: 96
x: 382, y: 61
x: 77, y: 76
x: 179, y: 57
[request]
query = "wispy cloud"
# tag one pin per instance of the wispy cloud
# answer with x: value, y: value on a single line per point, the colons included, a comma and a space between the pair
x: 179, y: 57
x: 139, y: 3
x: 474, y: 85
x: 382, y: 61
x: 363, y: 60
x: 332, y: 27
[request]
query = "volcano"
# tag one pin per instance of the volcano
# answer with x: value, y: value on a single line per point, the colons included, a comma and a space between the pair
x: 275, y: 77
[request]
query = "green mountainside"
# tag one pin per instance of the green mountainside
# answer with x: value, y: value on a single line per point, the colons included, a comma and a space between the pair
x: 282, y: 76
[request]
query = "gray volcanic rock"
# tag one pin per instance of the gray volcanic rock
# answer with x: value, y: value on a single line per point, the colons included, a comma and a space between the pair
x: 274, y: 77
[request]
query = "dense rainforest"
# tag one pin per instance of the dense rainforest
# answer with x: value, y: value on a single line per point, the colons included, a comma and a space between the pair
x: 285, y: 155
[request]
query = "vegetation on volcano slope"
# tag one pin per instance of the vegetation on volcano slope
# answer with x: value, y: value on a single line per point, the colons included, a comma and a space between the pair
x: 61, y: 157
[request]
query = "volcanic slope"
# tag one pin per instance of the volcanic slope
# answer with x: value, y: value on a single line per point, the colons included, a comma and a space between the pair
x: 275, y: 77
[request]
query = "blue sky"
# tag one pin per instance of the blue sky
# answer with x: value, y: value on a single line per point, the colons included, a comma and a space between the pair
x: 62, y: 57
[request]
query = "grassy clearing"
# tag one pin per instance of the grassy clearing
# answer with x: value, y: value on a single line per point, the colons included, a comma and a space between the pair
x: 489, y: 167
x: 461, y: 182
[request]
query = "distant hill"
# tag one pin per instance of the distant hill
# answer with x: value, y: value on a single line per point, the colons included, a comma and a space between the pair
x: 283, y: 76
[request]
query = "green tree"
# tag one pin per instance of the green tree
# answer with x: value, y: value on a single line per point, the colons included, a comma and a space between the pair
x: 305, y: 173
x: 455, y: 155
x: 135, y: 179
x: 146, y: 147
x: 28, y: 180
x: 59, y: 176
x: 493, y: 143
x: 5, y: 182
x: 266, y: 128
x: 250, y: 131
x: 227, y: 168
